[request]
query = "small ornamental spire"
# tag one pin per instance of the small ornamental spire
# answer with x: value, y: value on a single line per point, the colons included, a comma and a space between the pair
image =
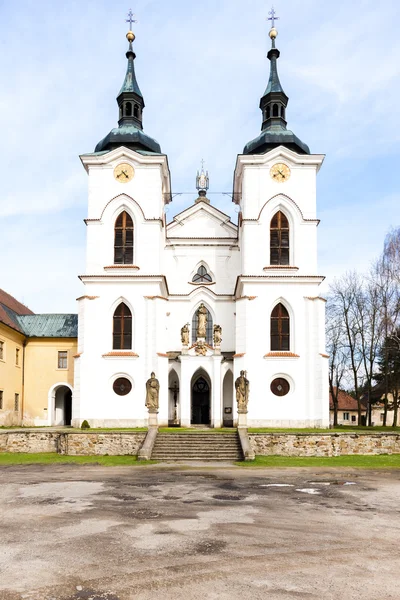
x: 273, y: 106
x: 129, y: 132
x: 202, y: 183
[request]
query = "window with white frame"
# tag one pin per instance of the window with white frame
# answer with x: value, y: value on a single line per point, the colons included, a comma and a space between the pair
x: 346, y: 416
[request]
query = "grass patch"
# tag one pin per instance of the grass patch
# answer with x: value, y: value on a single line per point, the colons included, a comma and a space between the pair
x: 360, y: 430
x: 194, y: 430
x: 381, y: 461
x: 78, y: 429
x: 8, y: 458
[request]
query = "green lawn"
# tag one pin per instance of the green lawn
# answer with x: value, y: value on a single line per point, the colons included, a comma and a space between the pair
x: 8, y: 458
x: 359, y: 430
x: 79, y: 430
x: 383, y: 461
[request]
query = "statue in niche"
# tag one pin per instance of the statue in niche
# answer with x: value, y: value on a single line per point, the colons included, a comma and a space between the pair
x: 217, y: 335
x: 185, y: 335
x: 152, y: 393
x: 242, y: 386
x: 202, y: 321
x: 201, y: 349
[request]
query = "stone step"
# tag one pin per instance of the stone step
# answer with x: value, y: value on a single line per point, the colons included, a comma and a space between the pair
x: 197, y: 446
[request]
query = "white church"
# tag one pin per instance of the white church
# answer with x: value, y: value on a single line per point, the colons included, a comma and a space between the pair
x: 200, y: 299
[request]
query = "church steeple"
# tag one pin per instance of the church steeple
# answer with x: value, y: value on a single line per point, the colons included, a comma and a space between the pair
x: 131, y: 104
x: 273, y: 106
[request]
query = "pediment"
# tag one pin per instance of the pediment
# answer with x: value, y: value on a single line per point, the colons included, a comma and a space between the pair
x: 202, y: 221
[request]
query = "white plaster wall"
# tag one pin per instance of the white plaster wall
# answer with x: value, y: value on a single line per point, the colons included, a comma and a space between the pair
x: 157, y: 321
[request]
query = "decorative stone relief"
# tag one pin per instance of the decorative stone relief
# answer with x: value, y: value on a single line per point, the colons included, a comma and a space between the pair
x: 185, y: 335
x: 152, y: 393
x: 242, y: 386
x: 202, y: 322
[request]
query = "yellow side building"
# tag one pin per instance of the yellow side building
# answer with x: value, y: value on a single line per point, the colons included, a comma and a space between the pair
x: 36, y: 365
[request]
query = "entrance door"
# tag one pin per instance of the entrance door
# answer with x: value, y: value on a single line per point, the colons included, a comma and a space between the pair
x: 200, y: 402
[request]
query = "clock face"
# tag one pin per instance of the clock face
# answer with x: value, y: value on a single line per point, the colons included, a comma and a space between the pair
x: 280, y: 172
x: 124, y: 173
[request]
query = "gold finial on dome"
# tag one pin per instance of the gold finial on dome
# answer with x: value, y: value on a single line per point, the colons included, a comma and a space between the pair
x: 130, y: 36
x: 273, y: 33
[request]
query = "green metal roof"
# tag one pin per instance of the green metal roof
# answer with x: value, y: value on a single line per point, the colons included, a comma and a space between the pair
x: 130, y: 84
x: 49, y: 326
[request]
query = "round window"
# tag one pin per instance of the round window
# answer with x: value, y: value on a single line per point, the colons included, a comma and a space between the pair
x: 122, y: 386
x: 280, y: 387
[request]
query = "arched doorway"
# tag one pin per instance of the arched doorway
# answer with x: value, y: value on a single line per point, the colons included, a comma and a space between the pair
x: 227, y: 391
x: 201, y: 400
x: 60, y: 401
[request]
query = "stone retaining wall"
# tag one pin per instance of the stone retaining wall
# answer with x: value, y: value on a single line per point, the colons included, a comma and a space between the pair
x: 29, y: 441
x: 77, y: 443
x: 326, y: 444
x: 111, y: 443
x: 116, y: 443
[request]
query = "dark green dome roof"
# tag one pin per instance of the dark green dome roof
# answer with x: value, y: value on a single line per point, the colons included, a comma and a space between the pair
x: 272, y: 138
x: 129, y: 132
x: 273, y: 107
x: 130, y: 137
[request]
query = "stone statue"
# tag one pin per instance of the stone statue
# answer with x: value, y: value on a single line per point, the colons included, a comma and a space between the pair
x: 242, y: 386
x: 201, y: 349
x: 185, y: 335
x: 202, y: 321
x: 152, y: 392
x: 217, y: 335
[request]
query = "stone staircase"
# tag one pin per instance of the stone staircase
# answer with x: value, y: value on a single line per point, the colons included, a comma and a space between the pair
x: 199, y: 445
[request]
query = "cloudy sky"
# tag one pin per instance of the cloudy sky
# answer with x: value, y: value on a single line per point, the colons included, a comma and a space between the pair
x: 202, y: 68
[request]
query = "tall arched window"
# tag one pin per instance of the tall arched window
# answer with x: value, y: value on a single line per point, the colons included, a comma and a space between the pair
x: 209, y: 328
x: 279, y: 239
x: 275, y: 110
x: 123, y: 240
x: 128, y: 109
x: 280, y: 328
x: 122, y: 328
x: 136, y: 111
x: 268, y: 112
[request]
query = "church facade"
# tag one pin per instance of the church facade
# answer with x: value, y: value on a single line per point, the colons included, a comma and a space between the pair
x: 200, y: 299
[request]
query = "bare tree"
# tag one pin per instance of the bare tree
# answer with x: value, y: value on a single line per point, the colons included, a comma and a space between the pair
x: 338, y: 356
x: 343, y: 297
x: 389, y: 295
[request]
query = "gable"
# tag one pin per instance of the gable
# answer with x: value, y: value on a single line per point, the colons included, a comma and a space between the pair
x: 202, y: 221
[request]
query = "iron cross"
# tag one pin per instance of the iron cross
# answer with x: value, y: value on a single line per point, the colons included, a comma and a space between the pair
x: 273, y: 16
x: 130, y: 19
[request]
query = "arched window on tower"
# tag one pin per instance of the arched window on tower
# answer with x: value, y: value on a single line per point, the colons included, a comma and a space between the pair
x: 275, y: 110
x: 209, y: 328
x: 268, y: 112
x: 280, y: 328
x: 122, y: 328
x: 123, y: 240
x: 128, y: 109
x: 279, y: 239
x: 136, y: 111
x: 202, y: 276
x: 282, y: 112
